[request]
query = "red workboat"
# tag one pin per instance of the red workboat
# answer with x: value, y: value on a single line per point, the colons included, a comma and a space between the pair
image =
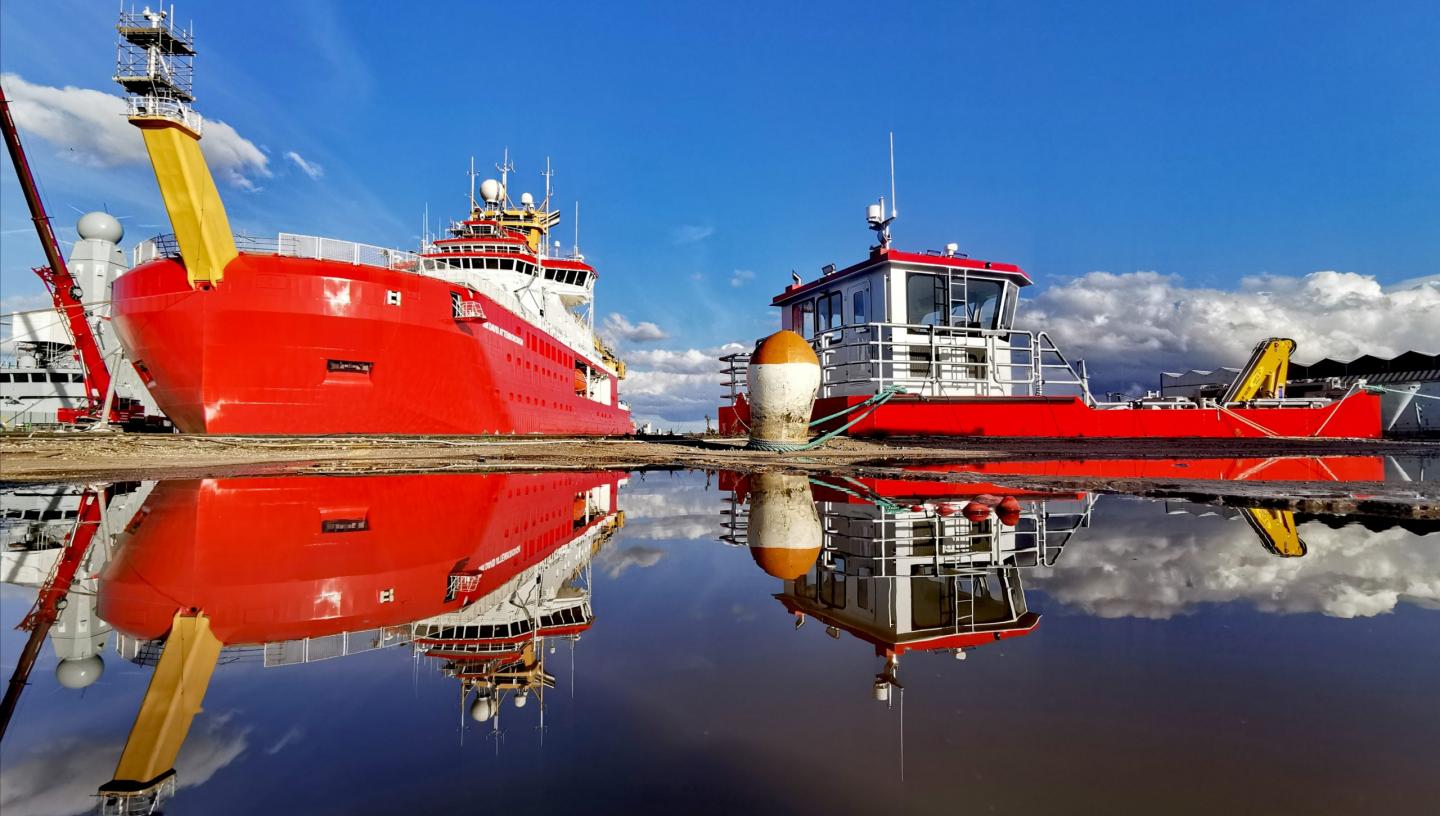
x: 931, y: 338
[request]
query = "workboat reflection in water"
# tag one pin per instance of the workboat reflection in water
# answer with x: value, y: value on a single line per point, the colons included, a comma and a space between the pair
x: 929, y: 564
x: 903, y: 565
x: 474, y: 570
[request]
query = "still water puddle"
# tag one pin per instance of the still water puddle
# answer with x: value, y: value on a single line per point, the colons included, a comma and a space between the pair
x: 715, y: 642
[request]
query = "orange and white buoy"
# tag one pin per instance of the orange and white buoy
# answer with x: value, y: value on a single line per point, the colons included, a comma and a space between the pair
x: 783, y: 379
x: 784, y: 532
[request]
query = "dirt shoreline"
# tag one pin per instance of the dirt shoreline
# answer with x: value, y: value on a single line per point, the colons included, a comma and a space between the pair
x: 72, y: 457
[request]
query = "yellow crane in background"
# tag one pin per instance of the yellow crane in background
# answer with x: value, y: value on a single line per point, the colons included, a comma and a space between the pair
x: 1265, y: 376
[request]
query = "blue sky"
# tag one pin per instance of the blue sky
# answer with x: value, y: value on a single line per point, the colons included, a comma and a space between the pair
x: 1210, y: 141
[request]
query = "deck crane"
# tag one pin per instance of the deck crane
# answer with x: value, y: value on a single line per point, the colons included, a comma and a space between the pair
x: 66, y: 293
x: 51, y: 597
x: 1265, y: 375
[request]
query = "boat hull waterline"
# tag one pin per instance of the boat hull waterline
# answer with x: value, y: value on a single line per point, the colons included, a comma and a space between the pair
x: 1355, y: 416
x: 299, y: 346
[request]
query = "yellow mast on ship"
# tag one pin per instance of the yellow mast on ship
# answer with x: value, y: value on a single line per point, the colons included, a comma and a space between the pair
x: 155, y: 66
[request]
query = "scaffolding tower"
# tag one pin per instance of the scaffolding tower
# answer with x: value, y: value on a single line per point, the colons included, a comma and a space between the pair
x: 155, y: 64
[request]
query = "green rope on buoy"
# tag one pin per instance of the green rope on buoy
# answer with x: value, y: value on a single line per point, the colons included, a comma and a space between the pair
x: 791, y: 447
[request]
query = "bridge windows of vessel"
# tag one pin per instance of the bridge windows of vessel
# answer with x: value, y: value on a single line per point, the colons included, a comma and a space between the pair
x: 935, y: 300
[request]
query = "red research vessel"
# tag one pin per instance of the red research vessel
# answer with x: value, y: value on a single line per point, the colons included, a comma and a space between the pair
x: 270, y: 559
x: 486, y: 331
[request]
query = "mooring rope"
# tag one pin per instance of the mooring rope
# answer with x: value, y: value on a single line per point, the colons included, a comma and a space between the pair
x: 791, y: 447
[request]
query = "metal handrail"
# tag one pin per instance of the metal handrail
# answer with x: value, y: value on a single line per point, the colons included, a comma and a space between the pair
x: 291, y: 245
x: 931, y: 360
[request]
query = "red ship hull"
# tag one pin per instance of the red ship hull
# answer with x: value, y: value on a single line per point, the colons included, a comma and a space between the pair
x: 298, y: 346
x: 282, y: 558
x: 1356, y: 416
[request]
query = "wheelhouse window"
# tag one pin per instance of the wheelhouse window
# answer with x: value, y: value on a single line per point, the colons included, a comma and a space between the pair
x: 829, y: 314
x: 969, y: 302
x: 802, y: 319
x: 925, y: 300
x: 860, y: 306
x: 980, y: 306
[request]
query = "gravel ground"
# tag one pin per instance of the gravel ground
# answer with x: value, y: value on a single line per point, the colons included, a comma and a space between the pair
x: 118, y: 457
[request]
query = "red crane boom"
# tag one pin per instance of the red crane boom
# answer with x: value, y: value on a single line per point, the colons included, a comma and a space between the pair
x: 63, y: 289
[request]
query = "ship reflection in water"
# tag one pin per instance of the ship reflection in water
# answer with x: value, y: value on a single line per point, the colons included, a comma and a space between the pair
x: 353, y: 644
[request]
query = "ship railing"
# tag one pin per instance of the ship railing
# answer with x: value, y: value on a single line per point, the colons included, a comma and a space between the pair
x: 945, y: 361
x: 733, y: 368
x: 340, y: 644
x: 166, y: 107
x: 291, y: 245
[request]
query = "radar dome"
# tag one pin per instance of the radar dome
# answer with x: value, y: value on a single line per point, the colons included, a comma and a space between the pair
x: 101, y: 226
x: 79, y: 672
x: 521, y: 698
x: 490, y: 190
x: 482, y: 709
x: 527, y: 200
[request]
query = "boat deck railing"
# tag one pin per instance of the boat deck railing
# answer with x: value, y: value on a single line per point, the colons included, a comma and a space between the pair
x: 291, y: 245
x: 936, y: 361
x: 946, y: 361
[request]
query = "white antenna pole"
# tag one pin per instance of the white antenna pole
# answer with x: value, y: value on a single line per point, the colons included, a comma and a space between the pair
x: 425, y: 228
x: 472, y: 184
x: 892, y: 174
x: 577, y: 226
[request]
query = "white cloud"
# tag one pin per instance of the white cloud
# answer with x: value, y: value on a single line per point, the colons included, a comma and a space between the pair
x: 690, y: 233
x: 1136, y: 562
x: 617, y: 562
x: 675, y: 385
x: 617, y: 329
x: 26, y: 303
x: 741, y: 277
x: 1130, y: 327
x: 309, y: 168
x: 62, y: 777
x: 670, y: 509
x: 90, y: 128
x: 688, y: 361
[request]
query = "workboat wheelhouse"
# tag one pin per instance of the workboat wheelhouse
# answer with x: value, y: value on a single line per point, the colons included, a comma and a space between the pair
x: 932, y: 338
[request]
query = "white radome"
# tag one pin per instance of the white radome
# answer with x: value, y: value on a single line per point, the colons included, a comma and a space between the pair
x: 101, y: 226
x: 490, y: 190
x: 79, y: 672
x: 482, y: 709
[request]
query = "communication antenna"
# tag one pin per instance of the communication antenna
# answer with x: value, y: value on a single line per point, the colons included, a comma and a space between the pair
x: 577, y: 228
x: 547, y: 174
x: 892, y: 175
x: 875, y: 213
x: 472, y: 174
x: 505, y: 167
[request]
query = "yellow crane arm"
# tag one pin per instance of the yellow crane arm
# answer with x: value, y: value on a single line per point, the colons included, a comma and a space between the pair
x: 171, y: 702
x: 1276, y: 529
x: 1265, y: 376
